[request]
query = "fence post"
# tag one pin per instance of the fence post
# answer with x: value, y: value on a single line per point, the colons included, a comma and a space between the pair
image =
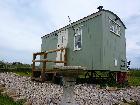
x: 44, y: 67
x: 33, y: 66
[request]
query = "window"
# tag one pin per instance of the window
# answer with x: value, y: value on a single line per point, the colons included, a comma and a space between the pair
x: 115, y: 62
x: 114, y: 27
x: 78, y: 38
x: 62, y: 39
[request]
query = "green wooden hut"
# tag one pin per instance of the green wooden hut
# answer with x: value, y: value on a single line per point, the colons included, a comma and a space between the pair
x: 95, y: 42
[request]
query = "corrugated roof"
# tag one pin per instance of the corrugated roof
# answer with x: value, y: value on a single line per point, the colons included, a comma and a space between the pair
x: 116, y: 16
x: 85, y: 18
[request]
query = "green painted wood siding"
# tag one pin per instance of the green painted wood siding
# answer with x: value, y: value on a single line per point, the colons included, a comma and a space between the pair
x: 100, y: 47
x: 114, y: 47
x: 90, y: 54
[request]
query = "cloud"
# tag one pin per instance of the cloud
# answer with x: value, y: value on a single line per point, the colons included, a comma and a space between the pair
x: 12, y: 55
x: 23, y: 22
x: 134, y: 58
x: 130, y: 14
x: 133, y: 39
x: 60, y: 10
x: 20, y: 30
x: 76, y: 9
x: 138, y: 43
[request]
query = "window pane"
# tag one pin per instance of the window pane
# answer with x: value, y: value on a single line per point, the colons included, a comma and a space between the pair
x: 79, y: 44
x: 78, y: 41
x: 114, y: 27
x: 117, y: 29
x: 62, y: 39
x: 77, y: 38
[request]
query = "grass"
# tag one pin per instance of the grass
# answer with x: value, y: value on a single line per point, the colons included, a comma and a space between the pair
x: 24, y: 73
x: 134, y: 81
x: 5, y: 100
x: 134, y: 77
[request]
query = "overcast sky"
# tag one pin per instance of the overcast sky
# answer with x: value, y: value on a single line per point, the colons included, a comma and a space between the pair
x: 24, y: 22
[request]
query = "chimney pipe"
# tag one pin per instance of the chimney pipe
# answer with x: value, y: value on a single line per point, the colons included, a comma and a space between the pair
x: 100, y: 8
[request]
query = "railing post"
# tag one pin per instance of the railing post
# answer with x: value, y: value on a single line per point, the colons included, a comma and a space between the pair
x: 65, y: 57
x: 44, y: 67
x: 44, y: 61
x: 61, y: 53
x: 33, y: 65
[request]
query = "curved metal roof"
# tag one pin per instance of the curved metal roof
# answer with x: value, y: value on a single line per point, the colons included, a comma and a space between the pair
x: 94, y: 14
x: 116, y: 16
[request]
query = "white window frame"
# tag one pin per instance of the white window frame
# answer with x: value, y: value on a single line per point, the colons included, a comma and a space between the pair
x: 76, y: 34
x: 115, y: 27
x: 115, y: 62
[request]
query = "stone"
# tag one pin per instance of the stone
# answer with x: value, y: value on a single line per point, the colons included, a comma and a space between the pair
x: 111, y: 88
x: 2, y: 89
x: 4, y: 93
x: 11, y: 93
x: 46, y: 93
x: 122, y: 103
x: 28, y: 103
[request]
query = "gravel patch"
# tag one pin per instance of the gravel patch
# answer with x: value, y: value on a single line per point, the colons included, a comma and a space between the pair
x: 51, y: 94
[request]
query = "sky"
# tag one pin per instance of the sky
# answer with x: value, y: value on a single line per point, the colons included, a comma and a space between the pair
x: 24, y: 22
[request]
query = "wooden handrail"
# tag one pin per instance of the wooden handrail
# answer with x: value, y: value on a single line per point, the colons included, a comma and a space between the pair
x: 44, y: 60
x: 50, y: 51
x: 61, y: 49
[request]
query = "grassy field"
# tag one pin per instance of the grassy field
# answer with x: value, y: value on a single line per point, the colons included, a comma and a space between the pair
x: 134, y: 77
x: 24, y: 73
x: 5, y: 100
x: 133, y: 80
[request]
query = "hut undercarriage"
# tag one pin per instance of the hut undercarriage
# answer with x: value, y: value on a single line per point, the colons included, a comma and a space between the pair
x: 58, y: 72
